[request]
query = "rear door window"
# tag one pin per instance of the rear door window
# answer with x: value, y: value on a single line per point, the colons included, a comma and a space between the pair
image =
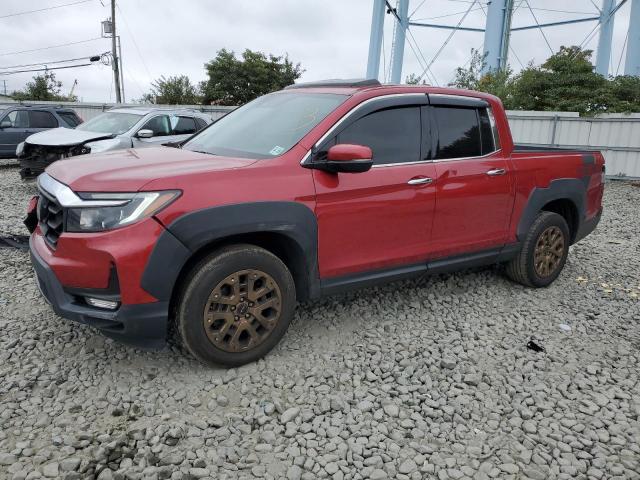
x: 458, y: 132
x: 42, y: 119
x: 183, y: 125
x: 392, y: 134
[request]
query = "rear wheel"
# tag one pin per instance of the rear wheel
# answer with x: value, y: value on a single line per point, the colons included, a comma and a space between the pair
x: 544, y: 252
x: 236, y: 305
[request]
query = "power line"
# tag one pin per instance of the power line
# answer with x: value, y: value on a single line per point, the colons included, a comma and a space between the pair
x: 135, y: 44
x: 45, y: 69
x: 539, y: 27
x: 626, y: 38
x: 44, y: 9
x: 446, y: 15
x: 432, y: 78
x: 448, y: 39
x: 50, y: 47
x: 49, y: 63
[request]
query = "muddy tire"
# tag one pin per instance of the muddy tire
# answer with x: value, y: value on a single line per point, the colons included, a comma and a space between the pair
x: 544, y: 252
x: 235, y: 306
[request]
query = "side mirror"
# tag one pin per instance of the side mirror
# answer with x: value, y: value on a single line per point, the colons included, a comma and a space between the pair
x: 347, y: 158
x: 6, y: 124
x: 144, y: 133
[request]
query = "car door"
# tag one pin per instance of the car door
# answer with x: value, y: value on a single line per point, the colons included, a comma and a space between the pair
x: 14, y: 128
x: 161, y: 128
x: 473, y: 178
x: 382, y: 218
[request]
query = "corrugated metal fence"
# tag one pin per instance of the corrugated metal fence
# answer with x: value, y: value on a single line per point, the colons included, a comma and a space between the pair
x: 616, y: 135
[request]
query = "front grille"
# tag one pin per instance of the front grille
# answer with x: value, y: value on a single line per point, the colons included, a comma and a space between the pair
x: 50, y: 218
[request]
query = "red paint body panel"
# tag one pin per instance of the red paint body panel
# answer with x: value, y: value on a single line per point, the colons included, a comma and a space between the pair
x: 366, y: 221
x: 373, y: 220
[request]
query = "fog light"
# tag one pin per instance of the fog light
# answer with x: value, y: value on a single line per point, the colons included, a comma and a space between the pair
x: 101, y: 303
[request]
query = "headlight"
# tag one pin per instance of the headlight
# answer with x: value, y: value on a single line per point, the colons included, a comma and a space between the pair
x: 102, y: 145
x: 20, y: 149
x: 122, y: 209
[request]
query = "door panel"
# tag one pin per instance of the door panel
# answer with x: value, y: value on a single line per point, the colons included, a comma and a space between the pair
x: 473, y: 208
x: 373, y: 220
x: 11, y: 136
x: 473, y: 182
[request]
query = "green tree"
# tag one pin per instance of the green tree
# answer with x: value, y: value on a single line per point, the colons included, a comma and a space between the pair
x: 43, y: 87
x: 177, y: 90
x: 564, y: 82
x: 498, y: 83
x: 413, y: 79
x: 235, y: 81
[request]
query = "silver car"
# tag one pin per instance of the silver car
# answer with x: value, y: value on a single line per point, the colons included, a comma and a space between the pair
x: 115, y: 129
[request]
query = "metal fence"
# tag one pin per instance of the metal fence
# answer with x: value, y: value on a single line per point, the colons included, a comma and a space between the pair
x: 616, y: 135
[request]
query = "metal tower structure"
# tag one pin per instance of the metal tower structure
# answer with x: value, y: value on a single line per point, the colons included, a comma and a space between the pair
x: 632, y: 60
x: 497, y: 33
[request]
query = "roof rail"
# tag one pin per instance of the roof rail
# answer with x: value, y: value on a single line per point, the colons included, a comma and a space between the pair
x: 350, y: 82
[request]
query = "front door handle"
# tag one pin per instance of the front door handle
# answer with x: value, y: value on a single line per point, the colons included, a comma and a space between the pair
x: 496, y: 171
x: 420, y: 181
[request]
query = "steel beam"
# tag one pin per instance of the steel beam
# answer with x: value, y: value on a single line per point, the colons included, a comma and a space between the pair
x: 632, y: 61
x: 496, y: 35
x: 399, y: 40
x: 603, y: 56
x: 556, y: 24
x: 446, y: 27
x: 375, y: 39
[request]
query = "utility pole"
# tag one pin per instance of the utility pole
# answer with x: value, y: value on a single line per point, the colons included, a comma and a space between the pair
x: 114, y: 53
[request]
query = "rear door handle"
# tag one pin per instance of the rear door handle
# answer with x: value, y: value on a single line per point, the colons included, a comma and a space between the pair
x: 496, y: 171
x: 420, y: 181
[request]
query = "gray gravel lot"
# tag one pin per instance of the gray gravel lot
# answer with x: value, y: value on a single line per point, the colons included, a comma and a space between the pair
x: 420, y: 379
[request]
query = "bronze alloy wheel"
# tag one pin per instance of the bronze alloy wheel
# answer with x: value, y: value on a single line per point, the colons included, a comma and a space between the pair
x: 549, y: 251
x: 242, y: 311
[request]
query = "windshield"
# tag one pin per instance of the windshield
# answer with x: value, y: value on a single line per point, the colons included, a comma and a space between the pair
x: 111, y: 122
x: 266, y: 127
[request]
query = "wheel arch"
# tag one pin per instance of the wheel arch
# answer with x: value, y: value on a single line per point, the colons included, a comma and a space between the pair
x: 286, y: 229
x: 566, y: 197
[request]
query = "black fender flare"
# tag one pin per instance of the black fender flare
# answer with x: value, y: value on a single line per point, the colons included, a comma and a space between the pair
x: 194, y: 231
x: 573, y: 189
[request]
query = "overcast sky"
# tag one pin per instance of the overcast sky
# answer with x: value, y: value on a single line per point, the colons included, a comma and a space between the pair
x: 329, y: 38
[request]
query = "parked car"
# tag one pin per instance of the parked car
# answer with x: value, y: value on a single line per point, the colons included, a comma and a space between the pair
x: 19, y: 121
x: 113, y: 130
x: 301, y: 193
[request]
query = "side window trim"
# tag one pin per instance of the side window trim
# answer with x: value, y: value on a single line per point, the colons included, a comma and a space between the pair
x: 365, y: 108
x: 333, y: 139
x: 434, y: 127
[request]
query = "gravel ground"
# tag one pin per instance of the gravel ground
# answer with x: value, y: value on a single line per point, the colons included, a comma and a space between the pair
x: 420, y: 379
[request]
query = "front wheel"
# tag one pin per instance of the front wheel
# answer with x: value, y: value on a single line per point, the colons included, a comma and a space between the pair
x: 544, y: 252
x: 236, y: 305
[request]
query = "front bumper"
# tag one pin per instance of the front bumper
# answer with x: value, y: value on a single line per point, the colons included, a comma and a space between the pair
x: 143, y: 325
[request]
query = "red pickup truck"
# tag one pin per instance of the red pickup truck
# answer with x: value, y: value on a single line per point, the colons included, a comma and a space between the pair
x: 301, y: 193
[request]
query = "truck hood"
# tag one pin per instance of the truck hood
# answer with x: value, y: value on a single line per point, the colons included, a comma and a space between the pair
x: 130, y: 170
x: 65, y: 137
